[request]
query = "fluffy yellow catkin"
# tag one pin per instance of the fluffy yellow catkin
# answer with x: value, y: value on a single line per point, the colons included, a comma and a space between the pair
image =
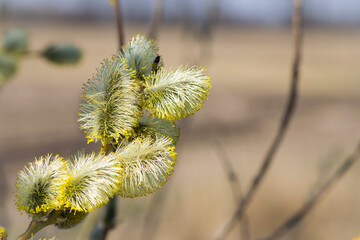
x: 39, y: 186
x: 147, y: 164
x: 110, y: 105
x: 3, y: 233
x: 71, y: 219
x: 174, y: 95
x: 93, y: 180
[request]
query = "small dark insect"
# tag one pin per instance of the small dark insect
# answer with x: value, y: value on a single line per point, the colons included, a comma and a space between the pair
x: 155, y: 65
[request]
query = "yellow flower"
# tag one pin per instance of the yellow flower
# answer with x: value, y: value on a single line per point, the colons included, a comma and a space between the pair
x: 175, y: 95
x: 70, y: 219
x: 39, y: 186
x: 3, y: 233
x: 93, y: 179
x: 147, y: 164
x: 141, y: 53
x: 110, y: 104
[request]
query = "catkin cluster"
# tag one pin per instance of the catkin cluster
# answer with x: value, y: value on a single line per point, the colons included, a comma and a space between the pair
x: 130, y: 105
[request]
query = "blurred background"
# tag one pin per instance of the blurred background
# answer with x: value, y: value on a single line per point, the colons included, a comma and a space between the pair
x: 247, y: 49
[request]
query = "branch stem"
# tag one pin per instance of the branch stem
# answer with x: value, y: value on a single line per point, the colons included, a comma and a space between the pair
x: 287, y: 116
x: 119, y: 23
x: 36, y: 226
x: 156, y: 19
x: 235, y: 187
x: 298, y: 216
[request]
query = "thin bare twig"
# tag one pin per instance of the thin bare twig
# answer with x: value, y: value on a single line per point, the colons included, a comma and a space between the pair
x: 206, y: 30
x: 235, y: 186
x: 297, y: 217
x: 230, y: 173
x: 156, y: 19
x: 324, y: 171
x: 289, y: 110
x: 119, y: 23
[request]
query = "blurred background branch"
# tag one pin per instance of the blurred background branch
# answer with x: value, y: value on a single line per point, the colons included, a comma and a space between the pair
x: 156, y: 19
x: 119, y: 23
x: 235, y: 186
x: 289, y: 110
x: 299, y: 215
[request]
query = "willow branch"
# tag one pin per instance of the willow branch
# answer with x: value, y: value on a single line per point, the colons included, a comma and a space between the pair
x: 119, y: 23
x: 297, y: 217
x: 288, y: 113
x: 36, y: 226
x: 156, y: 19
x: 234, y: 183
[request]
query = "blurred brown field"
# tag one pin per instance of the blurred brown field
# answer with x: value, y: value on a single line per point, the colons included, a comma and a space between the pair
x: 250, y: 67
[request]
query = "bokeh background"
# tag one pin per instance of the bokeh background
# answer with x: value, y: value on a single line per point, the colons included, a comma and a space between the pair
x: 246, y: 47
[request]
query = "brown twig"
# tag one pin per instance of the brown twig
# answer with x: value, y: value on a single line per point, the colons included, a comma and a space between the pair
x: 206, y: 30
x: 234, y: 184
x: 119, y: 23
x: 308, y: 205
x: 289, y: 110
x: 230, y: 173
x: 156, y: 19
x: 324, y: 172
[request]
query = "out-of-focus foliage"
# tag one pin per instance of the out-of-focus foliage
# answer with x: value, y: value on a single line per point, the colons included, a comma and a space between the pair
x: 62, y: 53
x: 112, y: 2
x: 15, y: 41
x: 15, y: 46
x: 3, y: 233
x: 8, y: 67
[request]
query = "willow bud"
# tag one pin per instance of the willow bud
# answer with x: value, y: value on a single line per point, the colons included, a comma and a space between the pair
x: 62, y: 54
